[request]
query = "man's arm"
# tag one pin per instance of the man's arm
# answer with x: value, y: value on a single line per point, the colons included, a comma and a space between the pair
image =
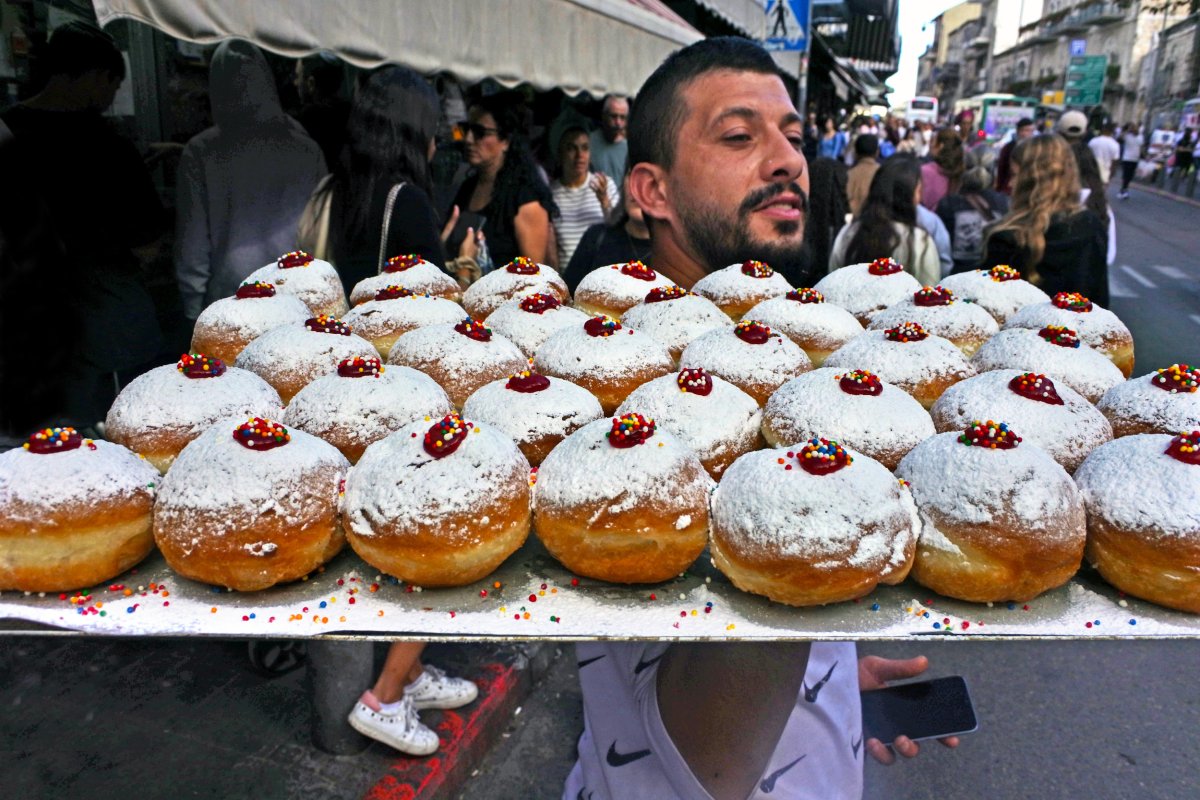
x: 725, y: 707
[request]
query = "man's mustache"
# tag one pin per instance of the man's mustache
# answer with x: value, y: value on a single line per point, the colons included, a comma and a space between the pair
x: 760, y: 196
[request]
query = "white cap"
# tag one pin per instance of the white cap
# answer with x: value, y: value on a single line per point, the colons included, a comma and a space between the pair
x: 1072, y: 123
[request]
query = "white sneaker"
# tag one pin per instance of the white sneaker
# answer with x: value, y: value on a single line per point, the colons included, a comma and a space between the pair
x: 400, y: 729
x: 435, y: 689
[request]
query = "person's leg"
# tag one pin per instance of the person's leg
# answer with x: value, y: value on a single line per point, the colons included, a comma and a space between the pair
x: 402, y: 667
x: 386, y: 714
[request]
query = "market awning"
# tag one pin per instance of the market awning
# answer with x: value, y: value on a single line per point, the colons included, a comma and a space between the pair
x: 546, y: 43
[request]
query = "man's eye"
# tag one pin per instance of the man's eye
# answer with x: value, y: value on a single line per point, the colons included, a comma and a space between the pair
x: 737, y: 137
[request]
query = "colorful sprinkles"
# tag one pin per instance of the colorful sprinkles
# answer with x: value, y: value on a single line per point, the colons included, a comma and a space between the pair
x: 906, y: 332
x: 884, y: 266
x: 752, y: 332
x: 1002, y: 272
x: 990, y: 435
x: 1186, y: 448
x: 860, y: 381
x: 1072, y: 301
x: 257, y: 433
x: 820, y: 457
x: 296, y: 258
x: 661, y: 293
x: 1177, y: 379
x: 539, y: 303
x: 805, y: 296
x: 255, y: 289
x: 474, y: 329
x: 601, y: 326
x: 1033, y: 386
x: 198, y: 365
x: 359, y: 367
x: 630, y: 430
x: 446, y: 435
x: 522, y: 265
x: 695, y: 381
x: 756, y: 269
x: 1057, y: 334
x: 402, y: 262
x: 929, y: 296
x: 327, y: 324
x: 636, y: 269
x: 393, y: 292
x: 56, y: 440
x: 527, y: 382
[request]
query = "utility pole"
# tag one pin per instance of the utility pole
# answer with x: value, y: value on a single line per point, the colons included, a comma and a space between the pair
x: 1163, y: 7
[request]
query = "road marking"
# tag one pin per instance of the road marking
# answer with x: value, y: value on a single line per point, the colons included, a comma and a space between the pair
x: 1137, y: 276
x: 1194, y: 318
x: 1172, y: 272
x: 1117, y: 287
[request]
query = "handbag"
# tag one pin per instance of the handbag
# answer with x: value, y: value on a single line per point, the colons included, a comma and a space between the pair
x: 387, y: 223
x: 312, y: 234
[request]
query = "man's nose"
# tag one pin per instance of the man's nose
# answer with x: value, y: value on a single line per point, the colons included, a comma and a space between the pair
x: 783, y: 162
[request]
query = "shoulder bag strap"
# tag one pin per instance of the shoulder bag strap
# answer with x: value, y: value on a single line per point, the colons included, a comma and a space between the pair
x: 387, y: 223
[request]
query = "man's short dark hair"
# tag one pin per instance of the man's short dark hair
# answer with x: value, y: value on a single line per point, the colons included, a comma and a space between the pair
x: 77, y: 47
x: 1024, y: 122
x: 659, y: 111
x: 327, y: 73
x: 866, y: 145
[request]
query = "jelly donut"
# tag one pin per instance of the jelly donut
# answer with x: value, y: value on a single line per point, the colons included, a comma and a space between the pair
x: 737, y: 288
x: 312, y: 280
x: 803, y: 316
x: 520, y: 277
x: 413, y: 273
x: 906, y: 356
x: 395, y: 311
x: 529, y: 321
x: 225, y: 328
x: 1096, y: 327
x: 615, y: 289
x: 1052, y: 351
x: 460, y: 358
x: 676, y: 317
x: 1165, y: 401
x: 1000, y: 291
x: 749, y: 355
x: 934, y: 308
x: 866, y: 289
x: 292, y: 356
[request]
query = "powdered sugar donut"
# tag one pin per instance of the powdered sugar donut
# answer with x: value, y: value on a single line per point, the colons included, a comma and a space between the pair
x: 528, y: 322
x: 1000, y: 291
x: 964, y: 325
x: 1165, y: 401
x: 312, y: 280
x: 1142, y: 495
x: 291, y: 356
x: 708, y: 414
x: 623, y: 501
x: 750, y: 356
x: 1096, y: 327
x: 853, y: 408
x: 604, y: 357
x: 162, y: 410
x: 1001, y: 519
x: 252, y: 505
x: 460, y: 358
x: 395, y: 311
x: 864, y: 289
x: 413, y: 273
x: 739, y: 287
x: 73, y: 512
x: 533, y: 410
x: 676, y: 317
x: 917, y: 362
x: 452, y: 515
x: 1055, y: 418
x: 225, y: 328
x: 803, y: 316
x: 819, y: 524
x: 520, y: 277
x: 363, y: 402
x: 615, y: 289
x: 1052, y: 351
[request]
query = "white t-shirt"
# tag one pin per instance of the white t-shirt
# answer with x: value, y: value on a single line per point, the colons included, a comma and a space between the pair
x: 626, y: 752
x: 1106, y: 150
x: 578, y: 210
x: 1133, y: 146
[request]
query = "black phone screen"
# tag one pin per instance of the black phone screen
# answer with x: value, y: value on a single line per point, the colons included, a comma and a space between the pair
x: 922, y: 710
x: 466, y: 219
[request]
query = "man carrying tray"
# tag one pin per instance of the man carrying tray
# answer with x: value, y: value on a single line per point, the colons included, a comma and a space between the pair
x: 715, y: 148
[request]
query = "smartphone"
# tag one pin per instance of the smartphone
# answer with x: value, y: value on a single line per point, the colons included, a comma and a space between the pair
x: 921, y: 710
x: 466, y: 219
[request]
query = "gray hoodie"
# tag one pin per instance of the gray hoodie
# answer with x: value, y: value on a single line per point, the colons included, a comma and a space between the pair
x: 242, y: 183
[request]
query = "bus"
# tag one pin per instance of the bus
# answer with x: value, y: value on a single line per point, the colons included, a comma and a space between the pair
x: 993, y: 116
x: 922, y: 109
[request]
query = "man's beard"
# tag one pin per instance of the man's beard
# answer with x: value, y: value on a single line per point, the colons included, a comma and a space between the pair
x: 719, y: 240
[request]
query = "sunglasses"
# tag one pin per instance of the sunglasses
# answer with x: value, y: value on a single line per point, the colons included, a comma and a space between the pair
x: 476, y: 130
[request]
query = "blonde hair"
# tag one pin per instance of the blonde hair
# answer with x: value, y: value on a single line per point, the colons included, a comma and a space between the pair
x: 1046, y: 190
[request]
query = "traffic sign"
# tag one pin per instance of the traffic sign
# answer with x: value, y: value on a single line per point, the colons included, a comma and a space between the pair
x: 786, y: 24
x: 1078, y: 47
x: 1085, y: 80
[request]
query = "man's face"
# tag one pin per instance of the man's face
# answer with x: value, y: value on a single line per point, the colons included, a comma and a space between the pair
x: 1024, y: 132
x: 613, y: 119
x: 739, y: 183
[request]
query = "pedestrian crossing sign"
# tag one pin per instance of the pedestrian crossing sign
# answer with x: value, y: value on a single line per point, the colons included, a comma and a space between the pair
x: 785, y: 24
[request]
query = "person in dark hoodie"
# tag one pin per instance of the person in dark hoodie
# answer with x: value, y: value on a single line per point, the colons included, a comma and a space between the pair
x: 242, y: 183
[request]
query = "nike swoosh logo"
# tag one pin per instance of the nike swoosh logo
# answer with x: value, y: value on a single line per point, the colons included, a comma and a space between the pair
x: 768, y: 784
x: 855, y: 745
x: 616, y: 759
x: 584, y: 663
x: 646, y: 664
x: 811, y: 694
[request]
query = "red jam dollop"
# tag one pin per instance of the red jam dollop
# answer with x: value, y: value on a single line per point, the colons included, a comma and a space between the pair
x: 992, y: 435
x: 860, y: 381
x: 446, y: 435
x: 695, y: 381
x: 528, y: 382
x: 327, y: 324
x: 1033, y: 386
x: 929, y: 296
x: 522, y: 265
x: 1057, y: 334
x: 821, y: 457
x: 1177, y: 379
x: 636, y: 269
x: 198, y: 365
x: 1002, y: 273
x: 257, y: 433
x: 1186, y: 448
x: 474, y: 329
x: 602, y: 325
x: 756, y: 269
x: 401, y: 263
x: 660, y: 293
x: 256, y: 289
x: 56, y: 440
x: 630, y: 430
x: 393, y: 292
x: 906, y: 332
x: 296, y: 258
x: 806, y: 296
x: 1072, y: 301
x: 884, y: 266
x: 752, y: 332
x: 539, y: 303
x: 359, y: 367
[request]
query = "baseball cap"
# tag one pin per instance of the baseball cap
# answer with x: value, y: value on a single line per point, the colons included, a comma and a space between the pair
x: 1072, y: 123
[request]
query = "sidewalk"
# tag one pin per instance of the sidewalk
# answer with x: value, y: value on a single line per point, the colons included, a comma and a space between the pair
x: 194, y: 718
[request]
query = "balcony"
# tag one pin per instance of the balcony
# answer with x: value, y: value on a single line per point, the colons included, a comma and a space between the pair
x: 1103, y: 13
x: 980, y: 43
x: 1075, y: 23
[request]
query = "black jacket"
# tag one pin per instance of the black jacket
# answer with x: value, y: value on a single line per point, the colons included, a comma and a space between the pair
x: 1074, y: 260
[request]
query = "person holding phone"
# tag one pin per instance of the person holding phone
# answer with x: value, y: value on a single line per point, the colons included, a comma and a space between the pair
x: 717, y: 169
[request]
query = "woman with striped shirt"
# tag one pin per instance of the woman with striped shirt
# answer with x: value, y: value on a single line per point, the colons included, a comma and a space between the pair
x: 583, y: 198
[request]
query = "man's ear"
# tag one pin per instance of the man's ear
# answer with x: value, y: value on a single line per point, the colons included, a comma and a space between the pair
x: 648, y: 187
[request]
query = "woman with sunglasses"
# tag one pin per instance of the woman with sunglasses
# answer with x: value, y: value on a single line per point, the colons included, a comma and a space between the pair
x: 504, y: 186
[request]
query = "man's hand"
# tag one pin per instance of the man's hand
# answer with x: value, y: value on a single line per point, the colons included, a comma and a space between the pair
x: 875, y: 673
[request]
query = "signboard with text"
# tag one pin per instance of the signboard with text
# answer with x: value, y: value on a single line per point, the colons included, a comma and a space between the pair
x: 786, y: 25
x: 1085, y: 80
